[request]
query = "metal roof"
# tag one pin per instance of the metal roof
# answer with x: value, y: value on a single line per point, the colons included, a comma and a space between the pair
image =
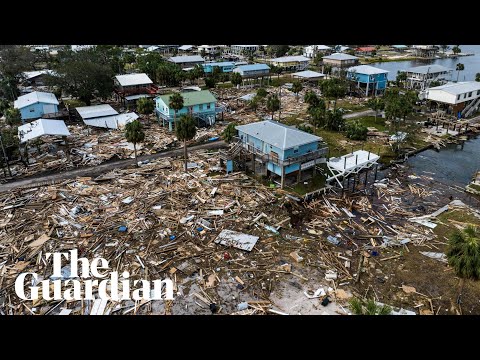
x: 33, y: 98
x: 136, y: 97
x: 290, y: 58
x: 133, y: 79
x: 222, y: 63
x: 42, y: 127
x: 400, y: 46
x: 192, y: 98
x: 245, y: 45
x: 424, y: 69
x: 185, y: 47
x: 320, y: 47
x: 458, y: 88
x: 308, y: 74
x: 186, y: 59
x: 277, y: 134
x: 253, y: 67
x: 339, y: 56
x: 95, y: 111
x: 247, y: 97
x: 33, y: 74
x: 112, y: 122
x: 367, y: 70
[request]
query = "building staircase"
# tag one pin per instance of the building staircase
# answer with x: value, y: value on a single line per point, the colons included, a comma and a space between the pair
x: 470, y: 108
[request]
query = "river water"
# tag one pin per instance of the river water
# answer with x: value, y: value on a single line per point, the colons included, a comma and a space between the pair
x: 472, y: 64
x: 451, y: 165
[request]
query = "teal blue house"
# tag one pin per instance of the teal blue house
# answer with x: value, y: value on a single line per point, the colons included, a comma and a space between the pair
x: 282, y: 149
x: 371, y: 81
x: 200, y: 104
x: 225, y: 67
x: 36, y: 105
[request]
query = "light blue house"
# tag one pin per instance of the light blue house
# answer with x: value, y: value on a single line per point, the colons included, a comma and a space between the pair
x: 36, y: 104
x: 282, y: 149
x: 200, y: 104
x: 253, y: 70
x: 370, y: 80
x: 225, y: 67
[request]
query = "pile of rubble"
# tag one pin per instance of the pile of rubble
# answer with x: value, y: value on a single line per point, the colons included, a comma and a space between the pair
x: 226, y: 242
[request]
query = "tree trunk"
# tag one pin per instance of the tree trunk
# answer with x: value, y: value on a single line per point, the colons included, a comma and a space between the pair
x: 272, y: 115
x: 185, y: 154
x: 458, y: 74
x: 135, y: 152
x: 375, y: 115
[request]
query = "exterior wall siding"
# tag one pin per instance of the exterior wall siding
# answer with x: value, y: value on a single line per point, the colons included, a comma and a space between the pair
x: 198, y: 109
x: 35, y: 111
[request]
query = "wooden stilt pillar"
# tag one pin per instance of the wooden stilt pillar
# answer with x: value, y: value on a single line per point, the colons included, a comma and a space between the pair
x: 282, y: 181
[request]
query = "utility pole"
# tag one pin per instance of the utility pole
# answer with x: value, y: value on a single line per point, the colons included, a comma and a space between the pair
x: 5, y: 156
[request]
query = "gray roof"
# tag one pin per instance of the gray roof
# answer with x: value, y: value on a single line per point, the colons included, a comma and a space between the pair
x: 290, y: 58
x: 277, y: 134
x: 42, y: 127
x: 367, y: 70
x: 133, y: 79
x: 185, y: 47
x: 339, y: 56
x: 33, y: 98
x: 458, y: 88
x: 186, y: 59
x: 95, y: 111
x: 424, y: 69
x: 308, y: 74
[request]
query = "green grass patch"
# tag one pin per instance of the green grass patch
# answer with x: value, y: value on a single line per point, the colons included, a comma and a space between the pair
x: 446, y: 228
x: 346, y: 105
x: 276, y: 82
x: 370, y: 121
x: 314, y: 183
x: 474, y: 187
x: 224, y: 86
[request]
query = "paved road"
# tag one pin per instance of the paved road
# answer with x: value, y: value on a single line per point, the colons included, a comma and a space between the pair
x: 102, y: 168
x: 359, y: 114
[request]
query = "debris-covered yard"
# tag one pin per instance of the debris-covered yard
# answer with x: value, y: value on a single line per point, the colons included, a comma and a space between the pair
x: 232, y: 245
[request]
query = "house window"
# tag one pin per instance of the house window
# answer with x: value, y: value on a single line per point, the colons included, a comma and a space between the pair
x: 470, y: 94
x: 458, y: 97
x: 464, y: 95
x: 478, y: 92
x: 295, y: 150
x: 208, y: 106
x: 200, y: 107
x: 32, y: 110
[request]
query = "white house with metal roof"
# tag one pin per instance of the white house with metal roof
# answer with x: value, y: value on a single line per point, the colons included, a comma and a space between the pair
x: 462, y: 98
x: 282, y: 149
x: 420, y: 77
x: 36, y: 104
x: 105, y: 116
x: 308, y: 75
x: 312, y: 50
x: 41, y: 127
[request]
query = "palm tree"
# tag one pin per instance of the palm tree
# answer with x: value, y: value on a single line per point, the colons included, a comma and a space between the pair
x: 236, y: 78
x: 456, y: 50
x: 229, y: 132
x: 134, y: 134
x: 176, y: 103
x: 444, y: 48
x: 317, y: 115
x: 460, y: 67
x: 369, y: 307
x: 463, y: 252
x: 273, y: 104
x: 185, y: 130
x: 311, y: 99
x: 145, y: 106
x: 376, y: 104
x: 297, y: 87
